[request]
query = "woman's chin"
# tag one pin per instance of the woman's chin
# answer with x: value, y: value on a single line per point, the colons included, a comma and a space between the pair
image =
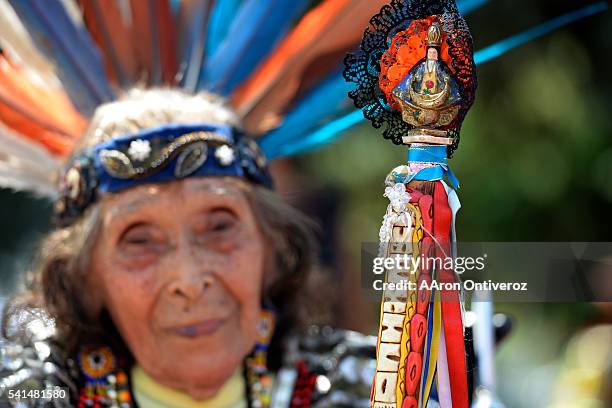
x: 220, y: 352
x: 200, y: 374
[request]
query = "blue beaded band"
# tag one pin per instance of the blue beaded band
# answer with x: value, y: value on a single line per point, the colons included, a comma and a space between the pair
x: 157, y: 155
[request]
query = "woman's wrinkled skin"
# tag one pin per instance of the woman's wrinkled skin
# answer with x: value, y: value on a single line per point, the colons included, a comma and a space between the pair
x: 179, y: 268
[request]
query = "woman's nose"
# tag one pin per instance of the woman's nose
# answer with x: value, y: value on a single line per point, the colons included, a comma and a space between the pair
x: 191, y: 274
x: 191, y: 288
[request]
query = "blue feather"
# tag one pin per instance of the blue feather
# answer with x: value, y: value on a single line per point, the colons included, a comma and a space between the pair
x: 467, y: 6
x: 193, y: 38
x: 498, y: 49
x: 78, y: 60
x: 328, y: 100
x: 324, y: 135
x: 307, y: 142
x: 175, y: 5
x: 314, y: 109
x: 221, y: 17
x: 257, y: 27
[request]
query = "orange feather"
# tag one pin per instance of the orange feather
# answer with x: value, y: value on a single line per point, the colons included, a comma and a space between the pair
x: 108, y: 29
x: 322, y: 36
x: 41, y: 114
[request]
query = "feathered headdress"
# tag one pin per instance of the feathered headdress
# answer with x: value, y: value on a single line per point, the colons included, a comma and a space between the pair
x: 59, y: 60
x: 278, y: 63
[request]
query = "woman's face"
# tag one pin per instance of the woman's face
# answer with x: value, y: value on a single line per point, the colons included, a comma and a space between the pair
x: 180, y: 269
x: 432, y: 54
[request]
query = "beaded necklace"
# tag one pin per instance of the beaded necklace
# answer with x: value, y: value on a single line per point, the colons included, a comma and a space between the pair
x: 106, y: 383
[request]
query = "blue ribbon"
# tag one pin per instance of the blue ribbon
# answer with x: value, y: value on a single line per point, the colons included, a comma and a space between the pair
x: 431, y: 155
x: 428, y: 347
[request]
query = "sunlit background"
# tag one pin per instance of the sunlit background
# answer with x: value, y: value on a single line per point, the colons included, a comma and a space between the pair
x: 535, y: 164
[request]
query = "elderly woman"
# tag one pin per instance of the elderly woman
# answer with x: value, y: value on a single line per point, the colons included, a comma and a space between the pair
x: 176, y: 277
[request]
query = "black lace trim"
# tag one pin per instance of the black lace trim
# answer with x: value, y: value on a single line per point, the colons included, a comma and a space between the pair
x: 363, y: 66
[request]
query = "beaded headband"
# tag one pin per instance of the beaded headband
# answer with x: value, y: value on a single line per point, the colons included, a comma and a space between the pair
x: 161, y: 154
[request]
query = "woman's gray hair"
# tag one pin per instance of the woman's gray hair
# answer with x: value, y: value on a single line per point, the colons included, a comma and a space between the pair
x: 141, y: 109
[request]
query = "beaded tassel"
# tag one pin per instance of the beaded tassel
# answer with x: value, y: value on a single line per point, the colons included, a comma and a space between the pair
x: 106, y: 385
x: 258, y: 378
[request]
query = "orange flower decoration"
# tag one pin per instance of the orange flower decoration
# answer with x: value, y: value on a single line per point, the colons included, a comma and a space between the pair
x: 408, y: 47
x: 97, y: 362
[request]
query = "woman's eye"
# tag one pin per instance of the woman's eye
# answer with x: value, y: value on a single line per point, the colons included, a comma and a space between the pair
x: 141, y: 238
x: 221, y: 221
x: 137, y: 239
x: 219, y: 227
x: 222, y: 225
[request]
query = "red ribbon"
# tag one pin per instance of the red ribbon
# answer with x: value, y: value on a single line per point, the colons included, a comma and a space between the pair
x: 451, y: 306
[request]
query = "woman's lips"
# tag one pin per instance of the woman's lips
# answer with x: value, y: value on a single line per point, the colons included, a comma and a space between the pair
x: 204, y: 328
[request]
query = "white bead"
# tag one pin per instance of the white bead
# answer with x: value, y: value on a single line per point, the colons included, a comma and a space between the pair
x: 225, y: 155
x: 323, y: 384
x: 139, y: 149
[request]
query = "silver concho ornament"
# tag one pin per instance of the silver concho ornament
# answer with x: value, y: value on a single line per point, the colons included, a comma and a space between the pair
x: 256, y: 153
x: 73, y: 183
x: 225, y: 155
x: 191, y: 159
x: 117, y: 164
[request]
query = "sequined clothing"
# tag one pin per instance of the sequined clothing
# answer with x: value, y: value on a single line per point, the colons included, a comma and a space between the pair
x: 323, y: 367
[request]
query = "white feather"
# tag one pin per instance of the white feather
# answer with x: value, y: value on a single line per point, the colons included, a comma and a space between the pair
x: 17, y: 42
x: 22, y: 148
x: 25, y: 182
x: 27, y: 166
x: 24, y: 165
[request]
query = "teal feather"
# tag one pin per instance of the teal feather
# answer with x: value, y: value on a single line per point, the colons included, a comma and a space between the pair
x: 318, y: 138
x: 502, y: 47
